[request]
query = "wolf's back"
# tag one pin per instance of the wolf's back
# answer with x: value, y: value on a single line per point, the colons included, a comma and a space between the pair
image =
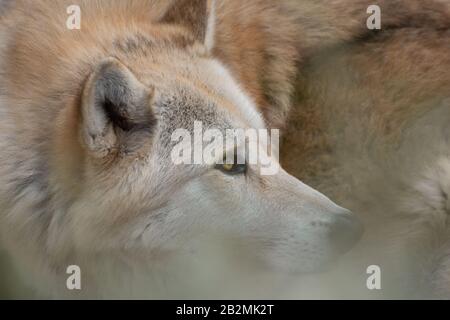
x: 265, y: 43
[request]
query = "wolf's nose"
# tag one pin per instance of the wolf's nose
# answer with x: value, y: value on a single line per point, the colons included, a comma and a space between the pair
x: 345, y: 231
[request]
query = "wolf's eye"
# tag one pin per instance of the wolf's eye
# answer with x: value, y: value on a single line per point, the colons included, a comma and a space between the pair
x: 232, y: 168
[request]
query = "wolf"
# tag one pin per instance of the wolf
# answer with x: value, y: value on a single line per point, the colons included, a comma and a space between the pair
x: 86, y: 122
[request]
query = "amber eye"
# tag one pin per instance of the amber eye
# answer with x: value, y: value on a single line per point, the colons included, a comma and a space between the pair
x: 232, y: 168
x: 228, y: 167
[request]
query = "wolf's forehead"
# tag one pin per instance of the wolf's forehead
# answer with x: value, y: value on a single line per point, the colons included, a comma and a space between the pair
x: 182, y: 111
x: 192, y: 111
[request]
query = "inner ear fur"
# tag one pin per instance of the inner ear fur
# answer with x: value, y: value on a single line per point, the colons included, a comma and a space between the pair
x: 114, y: 102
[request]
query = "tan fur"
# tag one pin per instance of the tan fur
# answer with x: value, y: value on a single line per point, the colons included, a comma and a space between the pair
x: 353, y: 107
x: 370, y: 129
x: 87, y: 117
x: 265, y: 50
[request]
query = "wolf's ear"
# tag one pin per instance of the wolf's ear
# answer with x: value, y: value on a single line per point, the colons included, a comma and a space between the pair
x: 196, y: 15
x: 114, y: 104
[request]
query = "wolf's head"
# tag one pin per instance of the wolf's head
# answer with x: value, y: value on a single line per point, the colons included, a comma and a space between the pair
x: 132, y: 197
